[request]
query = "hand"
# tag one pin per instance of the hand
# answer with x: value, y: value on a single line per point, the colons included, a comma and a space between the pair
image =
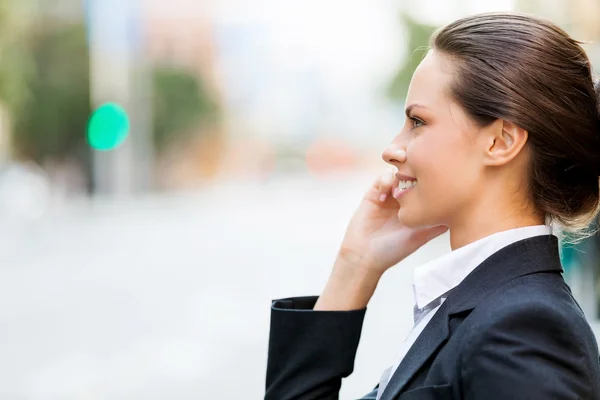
x: 375, y: 238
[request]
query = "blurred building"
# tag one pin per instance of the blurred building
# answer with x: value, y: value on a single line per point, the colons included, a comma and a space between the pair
x: 174, y: 33
x: 180, y: 33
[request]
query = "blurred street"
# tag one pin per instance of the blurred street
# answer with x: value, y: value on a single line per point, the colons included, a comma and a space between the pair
x: 169, y: 297
x: 169, y: 168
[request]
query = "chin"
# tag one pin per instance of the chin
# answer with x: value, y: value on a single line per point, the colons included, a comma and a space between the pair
x: 409, y: 219
x: 415, y: 220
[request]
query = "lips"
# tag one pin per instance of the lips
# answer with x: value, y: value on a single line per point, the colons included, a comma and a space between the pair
x: 404, y: 186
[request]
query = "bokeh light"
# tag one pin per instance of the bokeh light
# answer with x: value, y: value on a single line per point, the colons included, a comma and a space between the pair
x: 108, y: 127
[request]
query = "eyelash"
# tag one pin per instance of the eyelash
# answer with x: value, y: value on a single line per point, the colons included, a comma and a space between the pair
x: 415, y: 121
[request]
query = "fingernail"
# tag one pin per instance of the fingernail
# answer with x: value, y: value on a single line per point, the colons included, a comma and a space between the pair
x: 383, y: 197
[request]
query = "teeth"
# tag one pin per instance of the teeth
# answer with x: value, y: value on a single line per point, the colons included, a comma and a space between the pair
x: 406, y: 184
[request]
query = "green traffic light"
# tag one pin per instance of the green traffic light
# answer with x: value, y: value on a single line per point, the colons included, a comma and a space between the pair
x: 108, y: 127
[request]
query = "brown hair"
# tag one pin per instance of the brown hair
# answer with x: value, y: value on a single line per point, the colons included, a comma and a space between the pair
x: 529, y: 71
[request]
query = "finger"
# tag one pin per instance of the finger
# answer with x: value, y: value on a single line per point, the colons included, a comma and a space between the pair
x: 386, y: 183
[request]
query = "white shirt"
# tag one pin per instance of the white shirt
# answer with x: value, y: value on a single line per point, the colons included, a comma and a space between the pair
x: 436, y: 278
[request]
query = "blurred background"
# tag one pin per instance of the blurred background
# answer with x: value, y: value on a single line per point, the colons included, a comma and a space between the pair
x: 169, y: 167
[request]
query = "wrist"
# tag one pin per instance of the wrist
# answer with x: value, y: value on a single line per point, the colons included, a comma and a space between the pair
x: 350, y: 287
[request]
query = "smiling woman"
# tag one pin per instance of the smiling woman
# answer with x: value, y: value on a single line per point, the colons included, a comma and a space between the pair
x: 502, y: 138
x: 464, y: 168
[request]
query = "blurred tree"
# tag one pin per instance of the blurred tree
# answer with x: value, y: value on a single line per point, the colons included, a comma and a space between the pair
x: 181, y: 102
x: 417, y: 40
x: 16, y: 65
x: 51, y: 122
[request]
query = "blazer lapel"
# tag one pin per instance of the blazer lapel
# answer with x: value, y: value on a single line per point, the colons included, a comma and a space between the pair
x: 528, y: 256
x: 429, y: 341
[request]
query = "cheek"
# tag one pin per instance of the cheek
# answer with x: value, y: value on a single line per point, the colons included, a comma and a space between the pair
x: 444, y: 168
x: 431, y: 160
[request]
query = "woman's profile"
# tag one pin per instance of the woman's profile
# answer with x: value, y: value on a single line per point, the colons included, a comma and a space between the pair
x: 501, y: 142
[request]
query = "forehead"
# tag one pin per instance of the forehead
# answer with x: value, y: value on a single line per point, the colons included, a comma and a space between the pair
x: 430, y: 82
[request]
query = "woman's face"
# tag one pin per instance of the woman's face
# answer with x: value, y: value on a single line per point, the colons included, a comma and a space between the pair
x: 440, y: 142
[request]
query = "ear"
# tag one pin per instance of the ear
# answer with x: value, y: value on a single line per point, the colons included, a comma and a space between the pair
x: 504, y: 141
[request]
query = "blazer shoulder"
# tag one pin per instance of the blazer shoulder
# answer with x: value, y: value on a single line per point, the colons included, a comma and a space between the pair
x: 535, y: 327
x: 537, y: 305
x: 545, y: 296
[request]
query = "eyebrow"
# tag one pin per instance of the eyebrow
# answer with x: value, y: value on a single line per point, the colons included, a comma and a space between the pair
x: 411, y: 107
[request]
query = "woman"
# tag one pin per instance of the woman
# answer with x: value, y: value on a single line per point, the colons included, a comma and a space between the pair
x: 502, y: 137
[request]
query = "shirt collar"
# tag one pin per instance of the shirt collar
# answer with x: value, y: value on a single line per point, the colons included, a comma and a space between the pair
x: 432, y: 280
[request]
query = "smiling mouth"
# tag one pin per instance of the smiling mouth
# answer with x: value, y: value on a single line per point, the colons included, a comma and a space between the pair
x: 403, y: 187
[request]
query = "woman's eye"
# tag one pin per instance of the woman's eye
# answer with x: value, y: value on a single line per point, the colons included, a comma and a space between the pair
x: 417, y: 123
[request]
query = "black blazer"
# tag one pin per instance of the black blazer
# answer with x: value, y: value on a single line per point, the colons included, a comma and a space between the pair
x: 511, y: 330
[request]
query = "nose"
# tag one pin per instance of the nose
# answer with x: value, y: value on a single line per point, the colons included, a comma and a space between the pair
x: 394, y: 155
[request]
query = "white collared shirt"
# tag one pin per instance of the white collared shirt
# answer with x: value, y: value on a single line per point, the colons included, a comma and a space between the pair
x: 435, y: 279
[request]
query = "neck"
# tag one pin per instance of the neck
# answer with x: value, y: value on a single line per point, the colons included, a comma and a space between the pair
x: 489, y: 217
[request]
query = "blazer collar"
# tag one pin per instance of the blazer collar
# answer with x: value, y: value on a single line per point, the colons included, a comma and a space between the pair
x: 525, y: 257
x: 439, y: 276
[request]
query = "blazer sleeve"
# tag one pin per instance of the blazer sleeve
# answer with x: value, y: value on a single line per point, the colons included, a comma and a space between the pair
x: 532, y: 352
x: 310, y: 351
